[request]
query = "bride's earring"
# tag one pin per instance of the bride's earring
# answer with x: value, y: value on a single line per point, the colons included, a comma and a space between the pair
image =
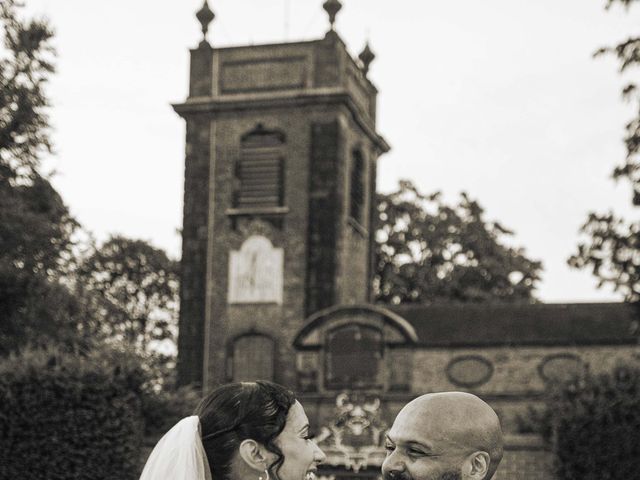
x: 266, y: 477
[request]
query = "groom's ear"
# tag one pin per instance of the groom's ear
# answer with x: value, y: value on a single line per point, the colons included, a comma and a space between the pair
x: 476, y: 466
x: 253, y: 454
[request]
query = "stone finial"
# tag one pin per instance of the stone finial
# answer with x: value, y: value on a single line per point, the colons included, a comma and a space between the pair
x: 366, y: 57
x: 332, y: 7
x: 205, y: 16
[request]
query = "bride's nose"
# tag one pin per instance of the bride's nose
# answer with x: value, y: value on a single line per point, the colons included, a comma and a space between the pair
x: 318, y: 455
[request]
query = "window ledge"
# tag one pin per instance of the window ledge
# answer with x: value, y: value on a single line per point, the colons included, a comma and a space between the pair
x: 236, y: 212
x: 357, y: 226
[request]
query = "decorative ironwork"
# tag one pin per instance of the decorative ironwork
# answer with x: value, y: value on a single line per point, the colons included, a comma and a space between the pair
x: 355, y: 438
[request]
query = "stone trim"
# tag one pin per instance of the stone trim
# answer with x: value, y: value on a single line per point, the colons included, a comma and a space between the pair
x: 296, y: 99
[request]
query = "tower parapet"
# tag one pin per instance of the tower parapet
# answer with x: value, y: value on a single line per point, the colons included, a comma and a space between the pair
x: 292, y: 74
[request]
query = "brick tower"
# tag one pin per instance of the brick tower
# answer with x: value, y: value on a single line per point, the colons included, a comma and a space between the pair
x: 280, y: 170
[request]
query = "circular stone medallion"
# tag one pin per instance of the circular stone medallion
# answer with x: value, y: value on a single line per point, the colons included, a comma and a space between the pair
x: 469, y: 371
x: 561, y: 367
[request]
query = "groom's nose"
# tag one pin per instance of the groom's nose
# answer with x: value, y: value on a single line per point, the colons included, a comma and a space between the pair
x: 393, y: 466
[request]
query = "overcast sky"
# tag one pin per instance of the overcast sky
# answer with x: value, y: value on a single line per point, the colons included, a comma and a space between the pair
x: 499, y: 98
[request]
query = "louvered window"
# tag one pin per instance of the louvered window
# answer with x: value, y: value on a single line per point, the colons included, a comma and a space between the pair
x: 357, y: 186
x: 260, y: 170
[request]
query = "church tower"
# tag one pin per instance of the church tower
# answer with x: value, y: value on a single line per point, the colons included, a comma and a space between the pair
x: 280, y: 173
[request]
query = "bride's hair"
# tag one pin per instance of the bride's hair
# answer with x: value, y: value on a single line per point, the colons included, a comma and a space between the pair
x: 238, y: 411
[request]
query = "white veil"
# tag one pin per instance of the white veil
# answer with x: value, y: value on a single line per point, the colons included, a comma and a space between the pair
x: 179, y: 455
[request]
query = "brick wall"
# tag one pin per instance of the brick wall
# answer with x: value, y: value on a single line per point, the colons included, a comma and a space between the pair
x: 291, y: 233
x: 194, y: 251
x: 515, y: 383
x: 515, y: 369
x: 353, y: 275
x: 514, y: 388
x: 324, y: 215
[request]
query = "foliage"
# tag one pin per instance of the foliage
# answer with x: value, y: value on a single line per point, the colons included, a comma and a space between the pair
x: 628, y: 54
x: 35, y: 225
x: 35, y: 250
x: 427, y: 251
x: 39, y: 300
x: 535, y: 420
x: 626, y: 3
x: 163, y: 409
x: 134, y: 288
x: 41, y: 312
x: 124, y: 293
x: 70, y: 416
x: 36, y: 228
x: 611, y: 249
x: 24, y: 71
x: 613, y: 253
x: 596, y: 426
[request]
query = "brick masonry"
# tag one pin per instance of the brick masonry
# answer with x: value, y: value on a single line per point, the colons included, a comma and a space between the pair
x: 314, y: 94
x: 515, y: 383
x: 323, y: 217
x: 194, y: 251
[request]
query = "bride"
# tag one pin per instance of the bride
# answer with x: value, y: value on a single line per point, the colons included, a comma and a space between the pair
x: 240, y: 431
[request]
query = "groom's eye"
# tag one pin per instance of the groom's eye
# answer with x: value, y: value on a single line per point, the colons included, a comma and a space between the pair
x: 415, y: 452
x: 389, y: 447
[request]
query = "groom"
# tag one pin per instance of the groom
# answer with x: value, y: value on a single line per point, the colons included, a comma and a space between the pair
x: 444, y: 436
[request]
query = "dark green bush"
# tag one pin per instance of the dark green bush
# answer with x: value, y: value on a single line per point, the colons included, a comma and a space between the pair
x: 70, y: 416
x: 162, y: 410
x: 596, y: 426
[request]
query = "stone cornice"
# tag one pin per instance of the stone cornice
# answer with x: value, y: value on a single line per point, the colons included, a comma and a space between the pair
x: 257, y: 101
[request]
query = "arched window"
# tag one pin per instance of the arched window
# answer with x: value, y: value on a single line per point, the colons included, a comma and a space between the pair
x: 353, y: 355
x: 356, y: 210
x: 253, y: 357
x: 259, y: 170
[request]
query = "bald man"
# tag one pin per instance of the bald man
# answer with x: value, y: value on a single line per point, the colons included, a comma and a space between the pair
x: 444, y: 436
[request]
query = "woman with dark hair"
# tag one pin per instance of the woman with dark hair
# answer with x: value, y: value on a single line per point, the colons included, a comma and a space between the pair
x: 240, y: 431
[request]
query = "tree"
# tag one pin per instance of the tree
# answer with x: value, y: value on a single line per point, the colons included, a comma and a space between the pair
x: 24, y: 71
x: 594, y: 424
x: 35, y: 225
x: 125, y: 292
x: 427, y: 251
x: 612, y: 246
x: 133, y: 287
x: 131, y: 290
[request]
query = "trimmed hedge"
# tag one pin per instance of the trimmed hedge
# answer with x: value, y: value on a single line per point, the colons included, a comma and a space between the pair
x: 596, y: 426
x: 69, y: 416
x: 162, y: 410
